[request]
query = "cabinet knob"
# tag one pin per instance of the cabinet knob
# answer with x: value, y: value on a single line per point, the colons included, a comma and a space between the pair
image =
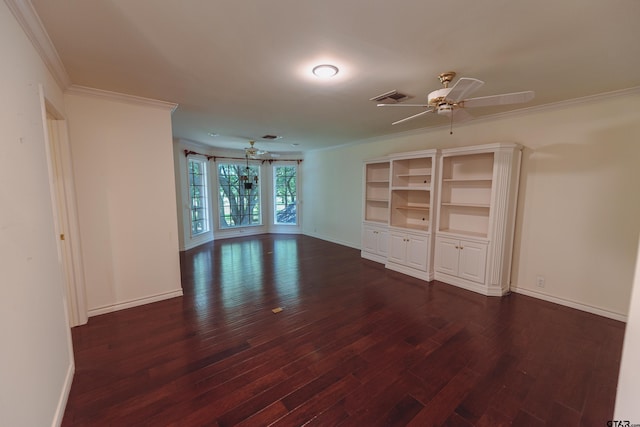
x: 457, y: 247
x: 461, y: 247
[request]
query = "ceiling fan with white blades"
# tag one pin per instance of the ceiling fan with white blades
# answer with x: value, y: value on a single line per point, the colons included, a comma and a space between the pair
x: 252, y: 152
x: 452, y: 101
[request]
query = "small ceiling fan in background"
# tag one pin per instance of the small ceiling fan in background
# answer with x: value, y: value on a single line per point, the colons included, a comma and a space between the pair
x: 253, y: 152
x: 452, y: 101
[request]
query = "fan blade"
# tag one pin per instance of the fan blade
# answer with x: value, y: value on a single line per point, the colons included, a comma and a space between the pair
x: 411, y: 117
x: 504, y: 99
x: 460, y: 115
x: 403, y: 105
x: 463, y: 87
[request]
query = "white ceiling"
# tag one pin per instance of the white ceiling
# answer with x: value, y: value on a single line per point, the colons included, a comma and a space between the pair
x: 242, y: 69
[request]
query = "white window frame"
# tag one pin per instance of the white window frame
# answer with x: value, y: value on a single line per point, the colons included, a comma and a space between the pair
x: 275, y: 196
x: 258, y: 187
x: 205, y: 198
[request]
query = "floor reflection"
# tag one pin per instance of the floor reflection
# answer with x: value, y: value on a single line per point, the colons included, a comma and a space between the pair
x: 286, y: 265
x: 232, y: 276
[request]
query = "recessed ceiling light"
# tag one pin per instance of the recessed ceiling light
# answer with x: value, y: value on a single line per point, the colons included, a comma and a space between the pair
x: 212, y: 134
x: 325, y: 70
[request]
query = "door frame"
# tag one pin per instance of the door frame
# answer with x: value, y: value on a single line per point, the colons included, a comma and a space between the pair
x: 65, y: 213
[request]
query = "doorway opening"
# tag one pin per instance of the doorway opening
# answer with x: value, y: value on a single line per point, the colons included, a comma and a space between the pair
x: 65, y: 213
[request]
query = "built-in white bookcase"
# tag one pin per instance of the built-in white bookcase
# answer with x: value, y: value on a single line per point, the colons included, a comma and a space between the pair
x: 445, y: 214
x: 411, y: 190
x: 478, y: 188
x: 376, y: 204
x: 412, y: 213
x: 465, y: 194
x: 375, y: 227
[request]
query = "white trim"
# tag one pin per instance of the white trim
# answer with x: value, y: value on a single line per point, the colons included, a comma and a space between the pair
x: 249, y: 230
x: 64, y: 395
x: 204, y: 165
x: 468, y: 285
x: 28, y: 18
x: 418, y: 274
x: 274, y: 178
x: 570, y: 303
x: 191, y: 143
x: 483, y: 148
x: 134, y: 302
x: 121, y: 97
x: 373, y: 257
x: 332, y: 240
x: 197, y: 242
x: 65, y: 210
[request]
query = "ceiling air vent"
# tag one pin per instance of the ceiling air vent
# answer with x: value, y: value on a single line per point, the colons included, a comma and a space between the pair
x: 391, y: 97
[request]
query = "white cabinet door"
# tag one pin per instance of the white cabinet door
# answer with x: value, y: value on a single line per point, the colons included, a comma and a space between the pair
x: 473, y: 261
x: 411, y: 250
x: 369, y: 239
x: 417, y: 251
x: 375, y: 240
x: 446, y: 259
x: 383, y: 242
x: 461, y: 258
x: 397, y: 247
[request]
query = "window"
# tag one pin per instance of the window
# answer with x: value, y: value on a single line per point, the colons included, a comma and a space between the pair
x: 239, y: 205
x: 198, y: 196
x: 285, y: 194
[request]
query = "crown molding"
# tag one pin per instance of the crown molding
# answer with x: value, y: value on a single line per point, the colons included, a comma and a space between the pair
x: 121, y: 97
x: 31, y: 24
x: 192, y: 143
x: 562, y: 104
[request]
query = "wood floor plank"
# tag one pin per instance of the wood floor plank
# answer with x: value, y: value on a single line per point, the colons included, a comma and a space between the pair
x: 319, y: 402
x: 355, y: 344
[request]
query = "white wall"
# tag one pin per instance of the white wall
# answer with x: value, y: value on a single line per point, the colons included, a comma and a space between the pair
x: 36, y: 362
x: 579, y: 207
x: 123, y: 165
x: 332, y: 207
x: 629, y: 381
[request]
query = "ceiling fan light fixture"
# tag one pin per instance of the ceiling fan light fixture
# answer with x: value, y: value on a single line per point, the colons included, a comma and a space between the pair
x: 325, y: 70
x: 445, y: 109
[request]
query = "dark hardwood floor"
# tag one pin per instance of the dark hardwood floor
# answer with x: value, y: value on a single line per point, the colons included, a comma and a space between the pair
x: 355, y: 345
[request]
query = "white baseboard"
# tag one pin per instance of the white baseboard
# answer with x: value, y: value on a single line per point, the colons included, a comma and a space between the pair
x: 332, y: 240
x: 468, y: 285
x: 373, y: 257
x: 418, y: 274
x: 64, y: 395
x: 569, y: 303
x: 134, y: 302
x: 192, y: 243
x: 239, y: 232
